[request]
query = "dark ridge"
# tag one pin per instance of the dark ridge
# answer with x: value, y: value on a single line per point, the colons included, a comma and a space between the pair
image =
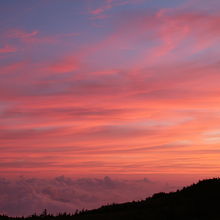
x: 195, y: 202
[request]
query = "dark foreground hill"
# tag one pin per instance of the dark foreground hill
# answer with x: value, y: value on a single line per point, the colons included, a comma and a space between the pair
x: 198, y: 201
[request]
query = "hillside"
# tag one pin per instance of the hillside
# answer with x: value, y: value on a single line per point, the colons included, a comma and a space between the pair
x: 198, y: 201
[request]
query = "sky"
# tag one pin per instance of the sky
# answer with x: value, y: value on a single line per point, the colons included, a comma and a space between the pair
x: 100, y: 96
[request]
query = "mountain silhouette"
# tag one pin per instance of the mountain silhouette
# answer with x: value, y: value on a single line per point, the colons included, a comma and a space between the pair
x: 196, y: 202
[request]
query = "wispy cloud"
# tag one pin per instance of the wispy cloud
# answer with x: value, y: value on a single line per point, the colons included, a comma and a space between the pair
x: 8, y: 49
x: 138, y: 95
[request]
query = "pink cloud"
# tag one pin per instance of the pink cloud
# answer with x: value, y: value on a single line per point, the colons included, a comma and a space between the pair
x: 127, y: 109
x: 174, y: 33
x: 68, y: 64
x: 27, y: 37
x: 12, y: 68
x: 98, y: 13
x: 8, y: 49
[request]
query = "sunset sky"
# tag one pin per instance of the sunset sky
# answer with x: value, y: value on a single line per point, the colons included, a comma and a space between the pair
x: 102, y: 89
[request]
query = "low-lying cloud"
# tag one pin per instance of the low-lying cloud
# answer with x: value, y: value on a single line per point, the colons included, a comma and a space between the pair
x: 25, y: 196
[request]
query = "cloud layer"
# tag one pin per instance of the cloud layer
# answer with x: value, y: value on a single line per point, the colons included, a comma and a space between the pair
x: 26, y: 196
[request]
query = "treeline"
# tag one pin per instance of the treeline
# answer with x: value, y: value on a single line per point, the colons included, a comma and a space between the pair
x: 196, y: 202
